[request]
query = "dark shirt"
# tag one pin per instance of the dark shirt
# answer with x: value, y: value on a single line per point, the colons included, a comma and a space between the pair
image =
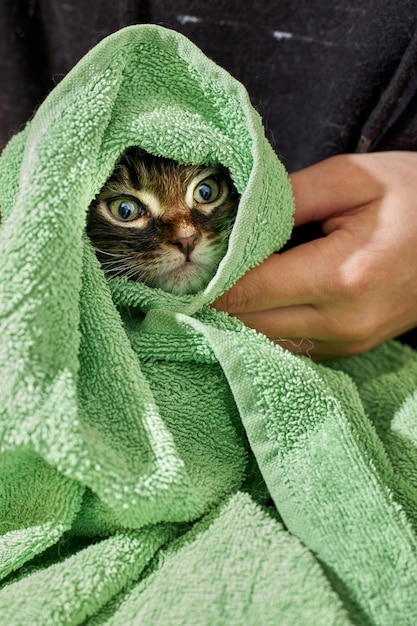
x: 326, y: 76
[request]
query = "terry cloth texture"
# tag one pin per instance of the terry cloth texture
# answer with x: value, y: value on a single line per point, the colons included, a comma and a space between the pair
x: 161, y: 463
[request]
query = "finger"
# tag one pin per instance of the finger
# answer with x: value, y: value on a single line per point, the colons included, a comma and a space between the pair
x: 338, y: 184
x: 301, y: 322
x: 297, y: 345
x: 302, y: 275
x: 278, y: 281
x: 315, y: 350
x: 306, y: 330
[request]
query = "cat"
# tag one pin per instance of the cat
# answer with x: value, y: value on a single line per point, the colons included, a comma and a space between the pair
x: 162, y: 223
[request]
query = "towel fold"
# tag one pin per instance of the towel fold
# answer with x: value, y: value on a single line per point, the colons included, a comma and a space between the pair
x: 160, y: 463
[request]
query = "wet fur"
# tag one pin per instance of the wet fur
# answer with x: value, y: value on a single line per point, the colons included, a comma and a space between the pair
x: 145, y: 250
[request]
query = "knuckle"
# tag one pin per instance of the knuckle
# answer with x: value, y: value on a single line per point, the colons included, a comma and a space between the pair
x: 353, y: 349
x: 354, y: 330
x: 354, y: 282
x: 238, y: 299
x: 356, y: 320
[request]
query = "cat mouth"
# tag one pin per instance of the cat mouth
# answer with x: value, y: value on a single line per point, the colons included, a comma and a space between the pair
x: 188, y: 277
x: 185, y: 261
x: 187, y: 267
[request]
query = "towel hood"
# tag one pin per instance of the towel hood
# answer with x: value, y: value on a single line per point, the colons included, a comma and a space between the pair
x: 149, y: 86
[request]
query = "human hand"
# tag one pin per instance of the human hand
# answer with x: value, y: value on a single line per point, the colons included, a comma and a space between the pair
x: 355, y: 287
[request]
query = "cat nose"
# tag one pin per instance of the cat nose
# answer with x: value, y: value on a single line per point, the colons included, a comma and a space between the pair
x: 186, y: 244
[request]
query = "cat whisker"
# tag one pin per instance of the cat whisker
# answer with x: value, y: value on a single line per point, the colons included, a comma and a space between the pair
x: 148, y: 188
x: 117, y: 255
x: 118, y: 270
x: 114, y: 263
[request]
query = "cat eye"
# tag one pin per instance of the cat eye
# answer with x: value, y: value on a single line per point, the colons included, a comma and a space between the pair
x: 126, y: 209
x: 208, y: 190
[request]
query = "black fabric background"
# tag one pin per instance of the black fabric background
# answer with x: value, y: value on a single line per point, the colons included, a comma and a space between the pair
x: 327, y: 77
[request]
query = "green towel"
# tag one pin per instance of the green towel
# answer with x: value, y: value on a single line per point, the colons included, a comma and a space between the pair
x: 162, y: 464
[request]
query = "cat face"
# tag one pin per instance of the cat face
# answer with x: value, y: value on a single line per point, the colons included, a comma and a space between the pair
x: 162, y: 223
